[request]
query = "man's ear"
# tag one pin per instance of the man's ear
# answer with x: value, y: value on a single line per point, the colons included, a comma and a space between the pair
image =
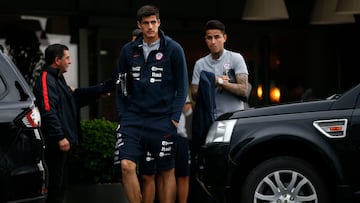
x: 138, y: 24
x: 57, y: 60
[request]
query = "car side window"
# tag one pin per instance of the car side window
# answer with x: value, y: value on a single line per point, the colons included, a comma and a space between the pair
x: 15, y: 92
x: 2, y: 87
x: 22, y: 93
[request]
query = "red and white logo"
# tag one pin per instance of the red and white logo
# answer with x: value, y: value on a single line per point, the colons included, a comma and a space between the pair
x: 159, y: 56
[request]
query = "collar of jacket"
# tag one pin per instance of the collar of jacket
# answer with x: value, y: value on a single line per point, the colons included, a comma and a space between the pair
x: 164, y: 40
x: 53, y: 71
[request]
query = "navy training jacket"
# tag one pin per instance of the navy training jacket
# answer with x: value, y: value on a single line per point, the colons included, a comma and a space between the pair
x: 156, y: 87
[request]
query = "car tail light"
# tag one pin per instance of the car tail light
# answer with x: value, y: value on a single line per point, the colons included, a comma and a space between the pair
x: 32, y: 118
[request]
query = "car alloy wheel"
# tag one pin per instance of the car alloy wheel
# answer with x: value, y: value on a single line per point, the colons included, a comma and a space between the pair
x: 284, y: 180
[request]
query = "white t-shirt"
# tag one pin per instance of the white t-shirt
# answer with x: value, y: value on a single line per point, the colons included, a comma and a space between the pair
x: 181, y: 129
x: 147, y: 49
x: 225, y: 101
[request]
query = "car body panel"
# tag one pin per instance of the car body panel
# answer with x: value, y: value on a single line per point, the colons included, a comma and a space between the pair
x: 23, y: 172
x: 289, y: 130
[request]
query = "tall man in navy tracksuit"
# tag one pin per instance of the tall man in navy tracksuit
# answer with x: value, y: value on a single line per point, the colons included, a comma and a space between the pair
x: 151, y: 93
x: 58, y: 105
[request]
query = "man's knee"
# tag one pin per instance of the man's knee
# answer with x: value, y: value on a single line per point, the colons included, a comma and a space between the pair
x: 167, y: 173
x: 127, y: 166
x: 146, y: 179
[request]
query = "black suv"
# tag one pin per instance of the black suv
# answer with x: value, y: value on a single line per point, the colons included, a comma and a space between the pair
x: 296, y: 152
x: 23, y: 174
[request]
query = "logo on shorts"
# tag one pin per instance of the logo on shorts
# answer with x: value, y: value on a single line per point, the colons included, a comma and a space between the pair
x: 166, y: 136
x: 165, y: 148
x: 148, y: 157
x: 162, y: 154
x: 119, y: 140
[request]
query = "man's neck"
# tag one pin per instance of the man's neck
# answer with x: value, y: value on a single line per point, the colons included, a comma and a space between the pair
x: 217, y: 55
x: 151, y: 40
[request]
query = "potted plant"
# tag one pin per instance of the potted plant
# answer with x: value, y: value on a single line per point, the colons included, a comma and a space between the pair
x: 92, y: 175
x: 92, y: 159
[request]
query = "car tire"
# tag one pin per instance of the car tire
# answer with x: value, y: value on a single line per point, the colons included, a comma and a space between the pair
x: 284, y: 179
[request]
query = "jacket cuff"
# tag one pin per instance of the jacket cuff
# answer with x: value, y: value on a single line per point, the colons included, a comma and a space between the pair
x: 59, y: 137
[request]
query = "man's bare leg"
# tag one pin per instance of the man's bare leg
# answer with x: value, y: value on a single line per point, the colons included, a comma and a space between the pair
x: 166, y: 186
x: 182, y: 189
x: 130, y: 181
x: 148, y: 188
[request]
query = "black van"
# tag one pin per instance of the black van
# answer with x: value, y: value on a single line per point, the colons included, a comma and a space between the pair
x: 23, y: 173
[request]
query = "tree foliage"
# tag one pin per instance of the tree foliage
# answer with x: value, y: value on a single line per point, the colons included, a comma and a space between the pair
x: 23, y: 47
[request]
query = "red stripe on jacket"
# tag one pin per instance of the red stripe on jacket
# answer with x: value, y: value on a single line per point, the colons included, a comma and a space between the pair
x: 45, y: 92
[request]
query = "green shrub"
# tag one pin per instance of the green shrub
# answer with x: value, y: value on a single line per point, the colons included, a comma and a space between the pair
x: 92, y: 159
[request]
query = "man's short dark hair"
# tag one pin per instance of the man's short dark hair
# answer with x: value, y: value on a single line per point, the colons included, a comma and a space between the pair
x: 215, y: 25
x: 147, y: 10
x: 53, y: 51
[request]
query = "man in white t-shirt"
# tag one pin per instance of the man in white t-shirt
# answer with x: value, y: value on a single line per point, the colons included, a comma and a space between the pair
x: 229, y: 67
x: 182, y: 155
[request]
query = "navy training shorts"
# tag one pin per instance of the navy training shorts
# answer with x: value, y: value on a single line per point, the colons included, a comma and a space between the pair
x: 182, y: 157
x: 137, y: 136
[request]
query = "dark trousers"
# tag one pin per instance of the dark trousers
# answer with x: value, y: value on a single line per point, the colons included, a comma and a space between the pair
x: 57, y: 163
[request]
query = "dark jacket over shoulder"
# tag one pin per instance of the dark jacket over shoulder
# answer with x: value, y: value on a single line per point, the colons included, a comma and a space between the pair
x: 204, y: 110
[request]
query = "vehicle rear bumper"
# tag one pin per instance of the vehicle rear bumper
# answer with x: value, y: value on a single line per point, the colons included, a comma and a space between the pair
x: 40, y: 199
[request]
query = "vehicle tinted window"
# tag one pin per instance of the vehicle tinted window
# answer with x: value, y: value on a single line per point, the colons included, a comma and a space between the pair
x: 23, y: 95
x: 2, y: 87
x: 11, y: 89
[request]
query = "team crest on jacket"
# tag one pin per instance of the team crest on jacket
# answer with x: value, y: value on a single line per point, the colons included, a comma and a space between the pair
x: 159, y: 56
